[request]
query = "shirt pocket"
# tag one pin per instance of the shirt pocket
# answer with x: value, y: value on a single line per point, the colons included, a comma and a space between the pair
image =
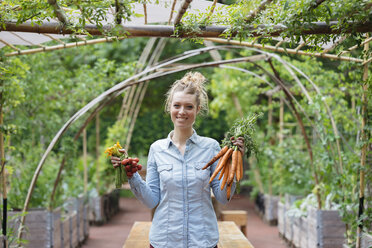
x: 165, y: 172
x: 201, y: 174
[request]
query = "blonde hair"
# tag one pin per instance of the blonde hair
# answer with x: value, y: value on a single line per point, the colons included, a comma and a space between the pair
x: 192, y: 83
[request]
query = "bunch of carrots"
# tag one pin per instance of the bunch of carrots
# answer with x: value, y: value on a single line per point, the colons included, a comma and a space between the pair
x: 230, y: 162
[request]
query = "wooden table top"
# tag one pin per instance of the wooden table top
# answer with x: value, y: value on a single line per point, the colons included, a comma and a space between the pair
x: 230, y: 236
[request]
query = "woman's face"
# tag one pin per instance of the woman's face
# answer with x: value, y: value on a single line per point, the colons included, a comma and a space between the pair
x: 183, y: 110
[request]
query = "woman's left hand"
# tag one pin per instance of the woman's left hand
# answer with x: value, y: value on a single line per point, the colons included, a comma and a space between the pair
x: 239, y: 142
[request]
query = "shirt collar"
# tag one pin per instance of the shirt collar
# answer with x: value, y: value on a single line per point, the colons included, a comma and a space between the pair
x: 193, y: 138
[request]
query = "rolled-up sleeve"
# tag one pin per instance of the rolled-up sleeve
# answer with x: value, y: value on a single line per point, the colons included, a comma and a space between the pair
x: 147, y: 192
x: 221, y: 195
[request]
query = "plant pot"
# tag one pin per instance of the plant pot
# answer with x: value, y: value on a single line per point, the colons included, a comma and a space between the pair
x: 73, y: 211
x: 271, y: 209
x: 113, y: 204
x: 1, y: 240
x: 102, y: 208
x: 288, y: 221
x: 96, y: 215
x: 86, y: 225
x: 281, y: 219
x: 78, y: 207
x: 366, y: 240
x: 290, y: 199
x: 325, y: 229
x: 288, y: 228
x: 65, y: 231
x: 81, y: 206
x: 73, y: 230
x: 296, y: 231
x: 299, y: 228
x: 42, y: 227
x: 259, y: 204
x: 303, y: 232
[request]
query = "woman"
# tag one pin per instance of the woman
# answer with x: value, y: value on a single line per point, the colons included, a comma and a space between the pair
x: 175, y: 181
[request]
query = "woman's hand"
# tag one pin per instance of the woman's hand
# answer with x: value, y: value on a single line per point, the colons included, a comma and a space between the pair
x: 131, y: 165
x: 115, y: 161
x: 239, y: 142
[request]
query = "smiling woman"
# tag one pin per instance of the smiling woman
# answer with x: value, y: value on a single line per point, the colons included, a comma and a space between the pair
x: 175, y: 182
x: 185, y: 100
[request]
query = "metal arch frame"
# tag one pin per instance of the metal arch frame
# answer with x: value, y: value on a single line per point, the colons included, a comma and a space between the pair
x: 149, y: 73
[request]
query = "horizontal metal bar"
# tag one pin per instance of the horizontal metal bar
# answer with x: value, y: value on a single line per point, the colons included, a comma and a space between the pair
x: 168, y: 31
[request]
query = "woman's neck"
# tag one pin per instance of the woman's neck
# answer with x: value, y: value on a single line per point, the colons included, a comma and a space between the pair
x: 180, y: 136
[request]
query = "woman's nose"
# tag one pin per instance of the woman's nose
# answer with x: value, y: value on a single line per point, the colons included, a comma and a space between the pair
x: 182, y: 109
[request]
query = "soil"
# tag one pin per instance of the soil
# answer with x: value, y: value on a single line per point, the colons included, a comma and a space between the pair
x: 114, y: 233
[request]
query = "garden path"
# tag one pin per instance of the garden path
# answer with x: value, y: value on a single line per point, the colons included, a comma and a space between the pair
x: 114, y: 233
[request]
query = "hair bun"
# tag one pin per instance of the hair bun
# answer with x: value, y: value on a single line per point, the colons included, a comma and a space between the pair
x: 194, y: 77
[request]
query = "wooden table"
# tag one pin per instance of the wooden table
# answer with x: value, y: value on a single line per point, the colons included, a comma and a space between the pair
x: 230, y: 236
x: 239, y: 217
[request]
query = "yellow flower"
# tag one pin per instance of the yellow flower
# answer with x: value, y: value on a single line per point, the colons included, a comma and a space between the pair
x: 114, y: 150
x: 118, y: 145
x: 109, y: 151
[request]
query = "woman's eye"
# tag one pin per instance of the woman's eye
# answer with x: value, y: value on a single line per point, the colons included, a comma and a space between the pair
x: 176, y: 105
x: 189, y: 107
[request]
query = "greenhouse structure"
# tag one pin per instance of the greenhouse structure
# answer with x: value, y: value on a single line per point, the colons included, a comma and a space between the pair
x: 80, y: 76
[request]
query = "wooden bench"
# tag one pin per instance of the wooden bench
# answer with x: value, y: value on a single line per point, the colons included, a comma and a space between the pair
x: 237, y: 216
x: 230, y: 236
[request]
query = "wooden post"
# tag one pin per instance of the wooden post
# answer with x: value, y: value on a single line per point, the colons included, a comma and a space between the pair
x: 364, y: 137
x: 145, y: 12
x: 281, y: 135
x: 270, y: 113
x: 97, y: 151
x: 130, y: 117
x: 3, y: 175
x: 257, y: 177
x: 85, y: 160
x: 281, y: 120
x: 135, y: 114
x: 123, y: 105
x: 237, y: 104
x: 128, y: 104
x: 270, y: 124
x: 185, y: 4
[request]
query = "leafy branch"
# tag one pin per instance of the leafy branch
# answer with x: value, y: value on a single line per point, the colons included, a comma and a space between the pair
x: 244, y: 127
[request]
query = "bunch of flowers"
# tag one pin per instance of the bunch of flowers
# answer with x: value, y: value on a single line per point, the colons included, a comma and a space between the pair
x: 119, y: 170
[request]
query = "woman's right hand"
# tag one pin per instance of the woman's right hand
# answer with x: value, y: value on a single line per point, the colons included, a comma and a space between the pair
x: 115, y: 161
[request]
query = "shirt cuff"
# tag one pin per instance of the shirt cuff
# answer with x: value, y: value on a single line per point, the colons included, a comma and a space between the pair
x: 135, y: 180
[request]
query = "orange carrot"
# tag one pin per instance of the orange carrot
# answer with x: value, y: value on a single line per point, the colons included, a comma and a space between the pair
x: 225, y: 157
x: 234, y: 164
x: 226, y: 174
x: 240, y: 167
x: 228, y: 191
x: 222, y: 171
x: 219, y: 154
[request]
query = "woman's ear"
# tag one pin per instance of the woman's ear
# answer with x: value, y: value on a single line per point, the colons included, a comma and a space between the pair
x: 198, y: 110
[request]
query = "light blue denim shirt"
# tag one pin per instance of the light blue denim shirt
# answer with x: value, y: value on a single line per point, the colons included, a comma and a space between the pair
x: 180, y: 189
